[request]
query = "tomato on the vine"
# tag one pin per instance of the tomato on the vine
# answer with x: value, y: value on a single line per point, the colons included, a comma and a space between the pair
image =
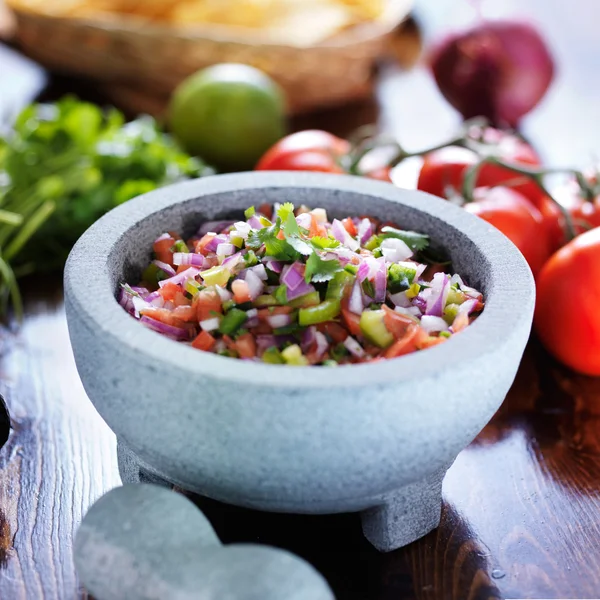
x: 310, y: 150
x: 445, y: 169
x: 511, y: 213
x: 567, y: 319
x: 314, y: 150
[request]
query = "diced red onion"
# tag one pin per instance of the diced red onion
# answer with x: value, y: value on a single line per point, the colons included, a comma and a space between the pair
x: 400, y: 299
x: 304, y: 220
x: 432, y: 324
x: 468, y: 306
x: 253, y: 312
x: 213, y: 227
x: 436, y: 301
x: 365, y: 231
x: 395, y: 250
x: 255, y: 285
x: 341, y: 235
x: 164, y: 236
x: 355, y: 304
x: 354, y: 347
x: 231, y: 263
x: 274, y: 265
x: 308, y: 338
x: 125, y: 300
x: 277, y: 321
x: 303, y: 289
x: 420, y: 302
x: 264, y: 342
x: 180, y: 278
x: 322, y: 344
x: 210, y: 324
x: 363, y: 271
x: 456, y: 278
x: 188, y: 258
x: 143, y: 292
x: 175, y: 332
x: 138, y: 305
x: 380, y: 281
x: 292, y: 275
x: 214, y: 243
x: 224, y: 295
x: 225, y: 249
x: 412, y: 311
x: 242, y: 229
x: 255, y: 223
x: 168, y: 269
x: 259, y: 270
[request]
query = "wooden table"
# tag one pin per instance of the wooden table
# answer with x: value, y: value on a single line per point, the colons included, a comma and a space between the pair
x: 521, y: 515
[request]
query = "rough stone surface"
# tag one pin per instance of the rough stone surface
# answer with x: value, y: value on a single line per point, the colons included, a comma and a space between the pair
x: 291, y: 439
x: 143, y: 542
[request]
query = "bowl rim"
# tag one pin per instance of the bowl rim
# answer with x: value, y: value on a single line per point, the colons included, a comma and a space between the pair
x: 510, y: 297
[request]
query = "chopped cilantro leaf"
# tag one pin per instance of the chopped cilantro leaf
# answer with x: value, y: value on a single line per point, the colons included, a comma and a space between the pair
x: 323, y: 243
x: 415, y: 241
x: 318, y: 270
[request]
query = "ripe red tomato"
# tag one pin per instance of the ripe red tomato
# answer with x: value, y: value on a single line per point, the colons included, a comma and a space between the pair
x: 567, y: 319
x: 511, y: 213
x: 310, y: 150
x: 314, y: 150
x: 445, y: 168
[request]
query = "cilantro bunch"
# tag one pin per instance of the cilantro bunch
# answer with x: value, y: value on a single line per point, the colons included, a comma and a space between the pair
x: 62, y: 167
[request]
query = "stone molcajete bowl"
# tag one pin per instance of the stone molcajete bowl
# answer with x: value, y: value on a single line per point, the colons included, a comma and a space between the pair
x: 375, y: 438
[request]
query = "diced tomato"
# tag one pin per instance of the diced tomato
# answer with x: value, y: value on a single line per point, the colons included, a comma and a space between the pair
x: 334, y: 330
x: 266, y: 210
x: 162, y: 250
x: 396, y: 323
x: 230, y: 343
x: 207, y: 302
x: 163, y: 315
x: 352, y: 322
x: 169, y: 291
x: 185, y: 313
x: 460, y: 322
x: 246, y: 346
x: 241, y: 291
x: 204, y: 341
x: 349, y: 226
x: 263, y: 313
x: 181, y: 299
x: 316, y: 229
x: 281, y: 235
x: 262, y: 328
x: 201, y: 245
x: 182, y: 268
x: 406, y: 344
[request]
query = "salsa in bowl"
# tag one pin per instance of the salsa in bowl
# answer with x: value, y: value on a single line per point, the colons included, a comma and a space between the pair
x: 288, y: 286
x: 374, y: 436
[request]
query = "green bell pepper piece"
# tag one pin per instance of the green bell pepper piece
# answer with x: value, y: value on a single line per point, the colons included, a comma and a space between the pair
x: 307, y: 300
x: 216, y: 276
x: 293, y: 356
x: 272, y: 356
x: 339, y: 285
x: 373, y: 328
x: 265, y: 300
x: 232, y: 321
x: 326, y: 311
x: 180, y: 246
x: 400, y: 278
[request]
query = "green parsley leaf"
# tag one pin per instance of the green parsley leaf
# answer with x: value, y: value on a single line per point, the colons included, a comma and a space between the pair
x: 318, y: 270
x: 415, y: 241
x: 249, y: 212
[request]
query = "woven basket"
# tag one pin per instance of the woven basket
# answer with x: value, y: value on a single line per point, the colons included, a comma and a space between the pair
x: 133, y: 59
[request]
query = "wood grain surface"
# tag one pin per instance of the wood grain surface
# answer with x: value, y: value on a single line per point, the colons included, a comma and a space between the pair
x: 521, y: 514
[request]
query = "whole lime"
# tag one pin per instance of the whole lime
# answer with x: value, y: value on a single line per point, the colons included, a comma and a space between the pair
x: 228, y: 114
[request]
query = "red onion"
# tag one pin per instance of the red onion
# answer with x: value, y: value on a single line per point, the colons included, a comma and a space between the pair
x: 168, y: 269
x: 225, y: 249
x: 304, y: 220
x: 264, y: 342
x: 395, y: 250
x: 180, y: 277
x: 354, y: 347
x: 300, y: 291
x: 214, y: 227
x: 210, y: 324
x: 308, y: 338
x: 355, y: 304
x: 380, y: 281
x: 467, y: 307
x: 412, y: 311
x: 143, y: 292
x: 436, y: 299
x: 365, y: 231
x: 224, y: 295
x: 432, y: 324
x: 175, y: 332
x: 259, y: 270
x: 276, y: 321
x: 214, y: 243
x: 188, y: 258
x: 292, y: 276
x: 164, y: 236
x: 400, y: 299
x: 255, y: 285
x: 231, y: 262
x: 322, y: 344
x: 274, y: 265
x: 255, y: 223
x: 341, y: 235
x: 499, y: 70
x: 363, y: 271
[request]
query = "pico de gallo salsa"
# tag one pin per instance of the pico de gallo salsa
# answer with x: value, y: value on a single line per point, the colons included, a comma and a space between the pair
x: 288, y: 286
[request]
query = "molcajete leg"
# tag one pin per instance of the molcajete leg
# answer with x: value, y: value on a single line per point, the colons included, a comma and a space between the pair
x: 131, y: 471
x: 406, y: 514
